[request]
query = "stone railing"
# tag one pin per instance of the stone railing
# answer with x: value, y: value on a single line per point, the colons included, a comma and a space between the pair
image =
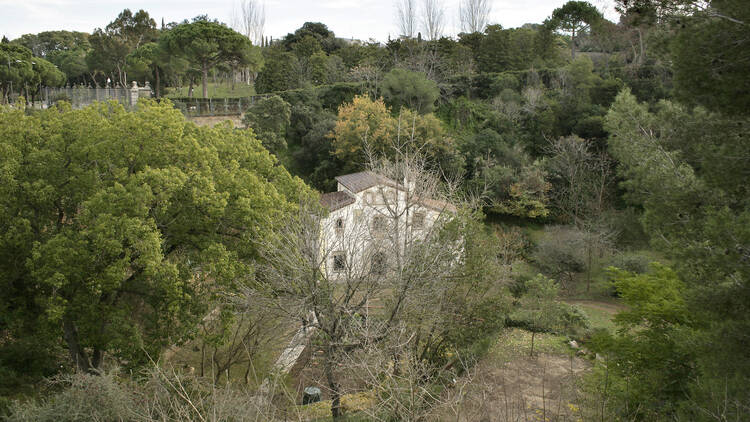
x: 81, y: 96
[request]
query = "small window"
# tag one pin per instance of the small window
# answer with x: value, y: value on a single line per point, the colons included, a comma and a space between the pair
x: 357, y: 216
x: 339, y: 261
x: 390, y: 197
x: 417, y: 220
x: 339, y: 223
x: 369, y: 198
x: 379, y: 263
x: 379, y: 224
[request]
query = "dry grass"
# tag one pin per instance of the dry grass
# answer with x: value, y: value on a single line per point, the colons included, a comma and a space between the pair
x: 510, y: 385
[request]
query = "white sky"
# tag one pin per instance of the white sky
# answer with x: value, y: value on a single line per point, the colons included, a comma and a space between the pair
x: 359, y: 19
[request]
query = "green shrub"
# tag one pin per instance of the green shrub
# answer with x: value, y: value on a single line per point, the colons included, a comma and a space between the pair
x: 631, y: 261
x: 505, y: 81
x: 413, y: 90
x: 60, y: 97
x: 332, y: 96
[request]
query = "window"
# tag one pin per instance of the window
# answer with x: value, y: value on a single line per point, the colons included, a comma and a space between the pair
x: 390, y: 198
x: 369, y: 198
x: 417, y: 220
x: 379, y: 263
x: 358, y: 216
x: 339, y: 261
x: 379, y: 225
x: 339, y: 224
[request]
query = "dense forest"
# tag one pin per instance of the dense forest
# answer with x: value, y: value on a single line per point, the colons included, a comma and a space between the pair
x: 155, y: 269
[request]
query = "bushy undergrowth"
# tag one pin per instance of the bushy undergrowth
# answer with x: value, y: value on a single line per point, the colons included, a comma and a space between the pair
x: 571, y: 320
x: 156, y: 395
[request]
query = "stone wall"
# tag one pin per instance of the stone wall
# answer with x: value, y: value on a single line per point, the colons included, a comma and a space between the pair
x: 214, y: 120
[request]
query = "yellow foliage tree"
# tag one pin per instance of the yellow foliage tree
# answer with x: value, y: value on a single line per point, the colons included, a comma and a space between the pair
x: 368, y: 125
x: 362, y: 124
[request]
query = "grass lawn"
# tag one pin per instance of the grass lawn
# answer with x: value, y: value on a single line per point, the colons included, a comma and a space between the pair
x: 600, y: 313
x: 215, y: 90
x: 515, y: 343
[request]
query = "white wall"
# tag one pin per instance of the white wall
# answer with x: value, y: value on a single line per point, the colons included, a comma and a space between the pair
x: 358, y: 241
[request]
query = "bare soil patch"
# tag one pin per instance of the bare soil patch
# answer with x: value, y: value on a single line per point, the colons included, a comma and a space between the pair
x: 509, y: 385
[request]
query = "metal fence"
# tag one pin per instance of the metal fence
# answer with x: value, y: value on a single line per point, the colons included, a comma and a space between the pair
x: 81, y: 96
x: 194, y: 107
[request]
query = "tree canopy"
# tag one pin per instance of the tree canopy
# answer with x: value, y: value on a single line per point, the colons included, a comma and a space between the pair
x: 119, y: 227
x: 205, y: 44
x: 575, y: 17
x: 410, y: 89
x: 111, y: 46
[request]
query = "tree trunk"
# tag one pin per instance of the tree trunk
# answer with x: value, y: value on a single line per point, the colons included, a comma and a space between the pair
x: 642, y: 54
x: 122, y: 76
x: 573, y: 44
x: 204, y: 77
x: 96, y: 360
x: 590, y: 247
x: 158, y: 82
x: 247, y: 371
x: 203, y: 358
x: 77, y: 354
x: 533, y: 333
x: 333, y: 386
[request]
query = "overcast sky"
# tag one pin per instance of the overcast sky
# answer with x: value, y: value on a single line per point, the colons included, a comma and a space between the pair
x: 359, y: 19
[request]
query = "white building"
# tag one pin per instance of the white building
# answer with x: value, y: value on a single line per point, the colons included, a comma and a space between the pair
x: 372, y: 222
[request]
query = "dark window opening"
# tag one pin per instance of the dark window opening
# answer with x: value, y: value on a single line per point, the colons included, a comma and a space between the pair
x: 339, y: 261
x: 379, y: 224
x: 417, y: 221
x: 379, y: 263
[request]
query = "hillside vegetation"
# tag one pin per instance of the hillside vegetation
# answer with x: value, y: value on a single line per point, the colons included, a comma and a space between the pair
x: 596, y: 267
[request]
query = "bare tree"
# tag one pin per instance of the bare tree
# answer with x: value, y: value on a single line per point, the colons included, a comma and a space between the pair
x: 584, y: 186
x: 406, y: 17
x: 352, y: 282
x: 238, y: 329
x: 411, y: 392
x: 370, y: 72
x: 474, y: 15
x: 249, y: 19
x: 584, y: 179
x: 433, y: 18
x: 420, y: 57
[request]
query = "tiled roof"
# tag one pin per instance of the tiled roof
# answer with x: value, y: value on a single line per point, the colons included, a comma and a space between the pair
x: 437, y: 205
x: 357, y: 182
x: 336, y: 200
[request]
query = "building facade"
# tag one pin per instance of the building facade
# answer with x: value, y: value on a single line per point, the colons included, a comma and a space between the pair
x: 372, y: 222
